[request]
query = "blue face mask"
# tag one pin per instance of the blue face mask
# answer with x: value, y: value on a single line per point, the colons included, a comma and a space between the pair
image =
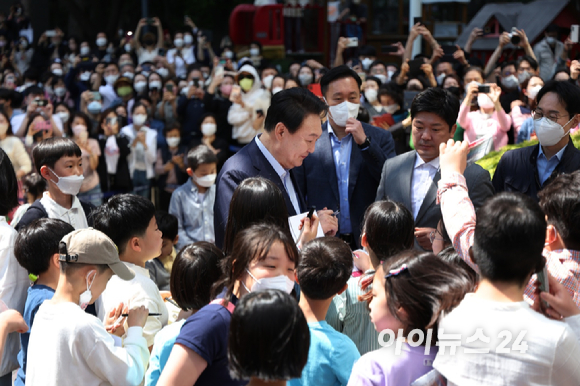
x: 94, y: 107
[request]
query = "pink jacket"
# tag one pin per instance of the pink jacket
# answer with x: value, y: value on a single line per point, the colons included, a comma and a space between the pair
x: 518, y: 119
x: 498, y: 125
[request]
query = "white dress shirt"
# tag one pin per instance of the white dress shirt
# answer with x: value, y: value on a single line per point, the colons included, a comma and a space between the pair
x: 423, y: 174
x: 74, y: 216
x: 140, y: 291
x: 283, y: 173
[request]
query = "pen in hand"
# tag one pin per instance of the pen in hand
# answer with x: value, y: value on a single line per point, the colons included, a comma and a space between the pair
x: 154, y: 314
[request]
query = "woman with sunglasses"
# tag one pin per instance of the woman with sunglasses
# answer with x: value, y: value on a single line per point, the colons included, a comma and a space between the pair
x: 113, y: 168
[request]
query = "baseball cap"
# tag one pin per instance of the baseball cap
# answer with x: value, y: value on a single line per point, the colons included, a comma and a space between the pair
x: 90, y: 246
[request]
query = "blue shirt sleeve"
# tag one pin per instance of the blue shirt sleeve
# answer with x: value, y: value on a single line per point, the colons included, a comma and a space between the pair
x: 206, y: 332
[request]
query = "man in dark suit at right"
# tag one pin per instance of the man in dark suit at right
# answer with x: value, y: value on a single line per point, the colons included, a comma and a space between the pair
x: 529, y: 169
x: 411, y: 178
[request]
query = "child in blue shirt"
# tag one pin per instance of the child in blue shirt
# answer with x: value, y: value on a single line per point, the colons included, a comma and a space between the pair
x: 36, y: 249
x: 324, y: 269
x: 192, y: 203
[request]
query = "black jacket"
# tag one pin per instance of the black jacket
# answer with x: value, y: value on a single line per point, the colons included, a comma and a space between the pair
x: 121, y: 181
x: 517, y: 170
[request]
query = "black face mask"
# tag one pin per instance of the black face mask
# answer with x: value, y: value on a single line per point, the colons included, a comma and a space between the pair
x: 455, y: 91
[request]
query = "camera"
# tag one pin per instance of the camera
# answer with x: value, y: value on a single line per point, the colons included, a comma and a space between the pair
x: 483, y: 88
x: 514, y: 37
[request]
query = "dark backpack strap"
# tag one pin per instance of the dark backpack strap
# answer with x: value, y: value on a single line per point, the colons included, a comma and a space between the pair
x: 88, y: 209
x: 34, y: 212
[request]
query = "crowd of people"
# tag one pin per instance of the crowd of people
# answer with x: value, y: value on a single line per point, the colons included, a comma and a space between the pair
x: 173, y: 215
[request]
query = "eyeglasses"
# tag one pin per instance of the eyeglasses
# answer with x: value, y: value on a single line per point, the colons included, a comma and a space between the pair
x: 111, y: 121
x: 537, y: 115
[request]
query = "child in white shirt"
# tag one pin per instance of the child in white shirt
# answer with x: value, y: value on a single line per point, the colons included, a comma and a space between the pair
x: 81, y: 351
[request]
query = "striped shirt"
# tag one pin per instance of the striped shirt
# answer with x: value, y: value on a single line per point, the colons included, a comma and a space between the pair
x: 351, y: 317
x: 459, y: 217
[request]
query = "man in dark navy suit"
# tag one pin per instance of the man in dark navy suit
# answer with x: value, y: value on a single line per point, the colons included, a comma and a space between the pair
x: 344, y: 171
x: 292, y: 127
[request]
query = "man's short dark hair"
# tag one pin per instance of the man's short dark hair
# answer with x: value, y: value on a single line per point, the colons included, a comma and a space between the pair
x: 509, y: 238
x: 122, y: 217
x: 527, y: 58
x: 437, y: 101
x: 167, y: 224
x: 560, y: 202
x: 6, y: 94
x: 291, y: 107
x: 38, y: 242
x: 339, y: 72
x: 34, y: 184
x: 200, y: 155
x: 568, y: 94
x: 49, y: 151
x: 325, y: 267
x: 34, y: 90
x: 377, y: 63
x: 8, y: 185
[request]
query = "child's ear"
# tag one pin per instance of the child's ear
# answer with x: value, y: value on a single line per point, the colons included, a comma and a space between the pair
x: 551, y: 234
x: 189, y: 172
x: 343, y: 289
x: 54, y: 260
x: 402, y: 314
x: 363, y: 240
x: 45, y: 173
x: 135, y: 244
x: 175, y: 240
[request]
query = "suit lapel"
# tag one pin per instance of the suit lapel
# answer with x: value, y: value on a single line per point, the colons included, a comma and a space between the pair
x: 328, y: 167
x: 430, y: 197
x: 405, y: 177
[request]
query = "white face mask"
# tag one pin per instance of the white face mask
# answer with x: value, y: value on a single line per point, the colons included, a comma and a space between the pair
x: 391, y: 109
x: 484, y: 101
x: 57, y: 72
x: 549, y: 132
x: 281, y: 282
x: 205, y: 181
x: 366, y: 62
x: 228, y: 54
x: 382, y: 78
x: 78, y: 129
x: 305, y: 79
x: 154, y: 84
x: 533, y: 92
x: 524, y: 76
x: 184, y: 91
x: 173, y: 141
x: 129, y: 75
x: 254, y: 51
x: 85, y: 50
x: 140, y: 86
x: 208, y: 129
x: 60, y: 91
x: 276, y: 90
x: 101, y: 42
x: 178, y: 42
x: 550, y: 40
x: 87, y: 296
x: 188, y: 39
x: 440, y: 78
x: 85, y: 76
x: 163, y: 72
x: 127, y: 47
x: 342, y: 112
x: 94, y: 107
x: 371, y: 95
x: 64, y: 116
x: 267, y: 81
x: 111, y: 79
x: 510, y: 81
x: 139, y: 119
x: 70, y: 184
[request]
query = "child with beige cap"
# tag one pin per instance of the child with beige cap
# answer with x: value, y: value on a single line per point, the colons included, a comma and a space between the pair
x: 79, y: 348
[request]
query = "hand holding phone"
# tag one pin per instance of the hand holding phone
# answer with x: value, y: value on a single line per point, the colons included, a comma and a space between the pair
x: 352, y: 42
